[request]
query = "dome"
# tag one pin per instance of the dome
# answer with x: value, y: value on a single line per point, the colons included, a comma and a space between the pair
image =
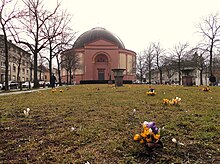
x: 95, y: 34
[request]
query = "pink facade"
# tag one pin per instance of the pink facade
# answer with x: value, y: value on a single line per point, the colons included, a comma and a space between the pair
x: 100, y: 51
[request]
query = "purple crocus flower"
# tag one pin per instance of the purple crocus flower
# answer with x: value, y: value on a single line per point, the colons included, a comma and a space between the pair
x: 152, y: 125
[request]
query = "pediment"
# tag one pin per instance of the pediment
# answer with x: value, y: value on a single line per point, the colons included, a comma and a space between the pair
x: 101, y: 42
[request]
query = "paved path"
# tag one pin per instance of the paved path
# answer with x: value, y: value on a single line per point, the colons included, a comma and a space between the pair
x: 20, y: 92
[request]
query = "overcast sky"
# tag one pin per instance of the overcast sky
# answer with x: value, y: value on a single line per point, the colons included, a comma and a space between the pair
x: 139, y: 22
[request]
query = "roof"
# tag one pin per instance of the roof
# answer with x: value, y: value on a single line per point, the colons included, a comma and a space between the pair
x: 96, y: 34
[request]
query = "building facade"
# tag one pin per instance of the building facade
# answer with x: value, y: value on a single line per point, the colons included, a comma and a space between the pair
x: 99, y: 51
x: 19, y: 63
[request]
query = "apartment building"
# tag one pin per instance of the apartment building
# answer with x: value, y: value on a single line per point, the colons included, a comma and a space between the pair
x: 19, y: 63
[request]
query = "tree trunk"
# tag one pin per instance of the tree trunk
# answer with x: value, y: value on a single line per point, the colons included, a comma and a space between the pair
x: 6, y: 59
x: 59, y: 75
x: 179, y: 69
x: 50, y: 69
x: 50, y: 62
x: 70, y: 76
x: 210, y: 65
x: 141, y: 76
x: 149, y: 78
x: 74, y: 76
x: 67, y: 77
x: 36, y: 82
x: 201, y: 71
x: 161, y: 76
x: 18, y: 73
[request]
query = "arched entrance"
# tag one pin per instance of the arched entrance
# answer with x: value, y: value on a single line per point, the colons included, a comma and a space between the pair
x: 101, y: 68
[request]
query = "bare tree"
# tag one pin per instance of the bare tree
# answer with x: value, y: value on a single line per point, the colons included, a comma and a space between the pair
x: 70, y: 64
x: 178, y: 52
x: 199, y: 58
x: 149, y: 56
x: 33, y: 26
x: 170, y: 67
x: 63, y: 43
x: 159, y: 54
x: 59, y: 62
x: 209, y: 28
x: 141, y: 66
x: 58, y: 34
x: 6, y: 18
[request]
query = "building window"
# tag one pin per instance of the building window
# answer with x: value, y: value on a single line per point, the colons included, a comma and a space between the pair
x: 3, y: 53
x: 23, y: 70
x: 3, y: 64
x: 101, y: 58
x: 14, y: 68
x: 14, y: 59
x: 27, y: 71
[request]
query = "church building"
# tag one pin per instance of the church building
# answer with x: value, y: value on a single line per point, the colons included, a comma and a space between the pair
x: 99, y: 51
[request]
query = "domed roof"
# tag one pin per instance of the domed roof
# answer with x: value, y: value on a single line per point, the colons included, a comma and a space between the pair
x: 95, y: 34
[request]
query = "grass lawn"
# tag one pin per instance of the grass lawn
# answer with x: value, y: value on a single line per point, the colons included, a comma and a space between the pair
x: 95, y: 123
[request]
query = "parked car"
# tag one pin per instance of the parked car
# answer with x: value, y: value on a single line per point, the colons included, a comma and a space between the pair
x: 26, y: 84
x: 1, y: 86
x: 42, y: 83
x: 11, y: 85
x: 47, y: 84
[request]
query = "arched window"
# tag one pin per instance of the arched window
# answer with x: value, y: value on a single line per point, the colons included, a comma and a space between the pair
x: 101, y: 58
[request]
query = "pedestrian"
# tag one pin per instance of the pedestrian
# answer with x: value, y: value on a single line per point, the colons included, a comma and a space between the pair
x: 53, y: 81
x: 212, y: 80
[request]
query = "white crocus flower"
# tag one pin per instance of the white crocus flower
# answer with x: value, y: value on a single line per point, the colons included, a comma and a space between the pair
x: 145, y: 123
x: 72, y: 129
x: 179, y: 143
x: 134, y: 111
x: 28, y: 110
x: 25, y: 113
x: 174, y: 140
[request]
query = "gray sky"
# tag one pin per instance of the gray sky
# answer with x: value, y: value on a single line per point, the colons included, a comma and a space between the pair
x: 139, y: 22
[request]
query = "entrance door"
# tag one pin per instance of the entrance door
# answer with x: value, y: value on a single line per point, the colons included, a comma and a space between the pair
x: 101, y: 74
